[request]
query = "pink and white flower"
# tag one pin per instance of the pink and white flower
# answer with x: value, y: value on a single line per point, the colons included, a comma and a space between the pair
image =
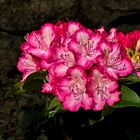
x: 113, y: 61
x: 131, y: 43
x: 83, y: 66
x: 85, y: 47
x: 28, y: 64
x: 40, y: 41
x: 59, y: 47
x: 73, y: 88
x: 102, y: 89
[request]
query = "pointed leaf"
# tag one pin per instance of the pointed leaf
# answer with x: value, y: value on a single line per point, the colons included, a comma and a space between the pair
x: 34, y: 82
x: 54, y: 102
x: 92, y: 122
x: 108, y: 110
x: 128, y: 98
x: 130, y: 79
x: 37, y: 75
x: 15, y: 89
x: 53, y: 107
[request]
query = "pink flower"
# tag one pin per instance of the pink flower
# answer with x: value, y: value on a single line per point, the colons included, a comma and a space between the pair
x: 131, y: 43
x: 59, y: 62
x: 130, y: 39
x: 85, y: 47
x: 83, y: 66
x: 72, y: 27
x: 102, y: 89
x: 47, y: 88
x: 28, y: 64
x: 25, y: 46
x: 113, y: 61
x: 59, y: 47
x: 73, y: 89
x: 113, y: 36
x: 40, y: 41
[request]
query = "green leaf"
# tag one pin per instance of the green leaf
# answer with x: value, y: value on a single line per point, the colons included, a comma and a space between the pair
x: 37, y: 75
x: 128, y: 98
x: 53, y: 103
x: 17, y: 88
x: 92, y: 122
x: 108, y: 110
x: 130, y: 79
x: 53, y: 107
x: 34, y: 82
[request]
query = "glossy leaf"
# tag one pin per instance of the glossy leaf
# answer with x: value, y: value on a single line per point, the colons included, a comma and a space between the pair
x: 92, y: 122
x: 128, y: 98
x: 108, y: 110
x: 53, y: 107
x: 15, y: 89
x: 54, y: 102
x: 130, y: 79
x: 34, y: 82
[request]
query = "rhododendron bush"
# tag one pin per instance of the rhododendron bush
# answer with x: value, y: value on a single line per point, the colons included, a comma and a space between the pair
x: 80, y: 68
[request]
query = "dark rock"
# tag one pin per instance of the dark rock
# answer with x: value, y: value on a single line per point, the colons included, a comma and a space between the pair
x: 9, y: 53
x: 19, y: 15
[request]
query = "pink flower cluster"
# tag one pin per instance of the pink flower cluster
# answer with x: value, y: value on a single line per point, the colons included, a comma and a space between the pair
x: 83, y: 66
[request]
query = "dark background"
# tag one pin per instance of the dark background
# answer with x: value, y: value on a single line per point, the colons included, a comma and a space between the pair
x: 18, y: 17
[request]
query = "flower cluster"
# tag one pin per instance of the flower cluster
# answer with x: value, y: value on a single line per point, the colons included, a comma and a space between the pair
x: 83, y: 66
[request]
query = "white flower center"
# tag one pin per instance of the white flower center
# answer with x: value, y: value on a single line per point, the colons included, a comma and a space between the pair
x: 101, y: 93
x: 78, y: 89
x: 68, y: 58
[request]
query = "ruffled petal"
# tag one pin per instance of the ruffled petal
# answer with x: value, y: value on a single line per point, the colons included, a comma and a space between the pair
x: 82, y: 36
x: 25, y: 46
x: 28, y: 64
x: 35, y: 39
x: 97, y: 106
x: 114, y: 97
x: 38, y: 52
x: 48, y: 33
x: 47, y: 88
x: 75, y: 47
x: 102, y: 89
x: 86, y: 102
x: 60, y: 69
x: 125, y: 68
x: 71, y: 104
x: 73, y: 27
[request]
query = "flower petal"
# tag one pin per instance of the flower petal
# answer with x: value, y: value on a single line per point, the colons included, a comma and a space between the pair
x: 28, y: 64
x: 102, y: 89
x: 125, y: 68
x: 71, y: 104
x: 73, y: 27
x: 47, y: 88
x: 82, y: 36
x: 113, y: 98
x: 60, y: 69
x: 48, y: 33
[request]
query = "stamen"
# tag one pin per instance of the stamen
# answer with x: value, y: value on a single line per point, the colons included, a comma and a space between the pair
x: 77, y: 91
x: 67, y: 57
x: 40, y: 43
x: 102, y: 92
